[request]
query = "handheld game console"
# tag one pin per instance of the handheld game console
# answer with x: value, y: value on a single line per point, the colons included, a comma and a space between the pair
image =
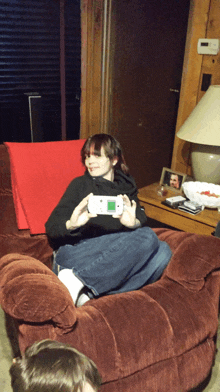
x: 105, y: 205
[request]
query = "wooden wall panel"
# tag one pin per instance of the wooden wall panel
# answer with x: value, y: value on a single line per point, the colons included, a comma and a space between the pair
x: 91, y: 89
x: 96, y: 66
x: 191, y: 80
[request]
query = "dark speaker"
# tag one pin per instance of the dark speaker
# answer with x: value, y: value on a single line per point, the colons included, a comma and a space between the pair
x: 35, y: 117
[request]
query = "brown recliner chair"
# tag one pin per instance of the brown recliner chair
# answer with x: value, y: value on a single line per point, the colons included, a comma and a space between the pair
x: 159, y: 338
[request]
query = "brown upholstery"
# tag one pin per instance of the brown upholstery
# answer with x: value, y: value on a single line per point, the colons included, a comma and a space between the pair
x: 160, y: 338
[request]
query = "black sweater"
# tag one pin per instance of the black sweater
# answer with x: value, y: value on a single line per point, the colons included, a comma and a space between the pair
x: 79, y: 188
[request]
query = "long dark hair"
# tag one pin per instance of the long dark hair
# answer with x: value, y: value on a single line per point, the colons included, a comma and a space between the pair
x: 50, y: 366
x: 111, y: 147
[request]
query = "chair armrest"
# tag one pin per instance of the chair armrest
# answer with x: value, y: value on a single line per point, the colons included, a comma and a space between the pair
x: 31, y: 293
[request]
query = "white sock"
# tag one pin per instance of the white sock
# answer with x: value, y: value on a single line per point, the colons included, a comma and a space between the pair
x: 83, y: 298
x: 73, y: 284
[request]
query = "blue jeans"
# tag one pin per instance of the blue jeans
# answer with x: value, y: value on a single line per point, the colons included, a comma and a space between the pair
x: 116, y: 263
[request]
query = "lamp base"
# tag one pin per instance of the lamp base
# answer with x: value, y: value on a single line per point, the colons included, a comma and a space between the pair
x: 206, y: 163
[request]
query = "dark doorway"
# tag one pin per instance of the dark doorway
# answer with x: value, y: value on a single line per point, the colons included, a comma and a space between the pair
x: 149, y: 41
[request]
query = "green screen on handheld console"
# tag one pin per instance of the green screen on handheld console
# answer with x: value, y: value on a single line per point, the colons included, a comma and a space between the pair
x: 111, y: 206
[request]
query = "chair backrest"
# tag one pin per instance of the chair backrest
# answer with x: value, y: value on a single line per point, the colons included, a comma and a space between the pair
x: 40, y: 173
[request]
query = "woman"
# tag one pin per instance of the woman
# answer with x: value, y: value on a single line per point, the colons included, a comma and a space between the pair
x: 103, y: 254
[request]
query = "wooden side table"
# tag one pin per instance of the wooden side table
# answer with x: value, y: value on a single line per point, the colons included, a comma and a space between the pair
x: 203, y: 223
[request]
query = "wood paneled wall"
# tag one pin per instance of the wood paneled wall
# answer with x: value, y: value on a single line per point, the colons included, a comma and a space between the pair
x: 204, y: 22
x: 95, y: 60
x: 91, y: 60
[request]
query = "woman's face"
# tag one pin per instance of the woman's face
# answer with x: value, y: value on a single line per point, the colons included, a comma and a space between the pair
x: 100, y: 166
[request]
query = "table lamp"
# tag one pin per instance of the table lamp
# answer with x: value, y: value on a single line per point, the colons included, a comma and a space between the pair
x: 202, y: 129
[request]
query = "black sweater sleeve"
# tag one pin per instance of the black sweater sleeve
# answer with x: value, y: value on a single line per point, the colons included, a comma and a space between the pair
x: 140, y: 213
x: 56, y: 223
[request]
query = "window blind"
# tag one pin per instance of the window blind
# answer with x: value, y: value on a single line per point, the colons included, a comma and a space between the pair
x: 30, y: 61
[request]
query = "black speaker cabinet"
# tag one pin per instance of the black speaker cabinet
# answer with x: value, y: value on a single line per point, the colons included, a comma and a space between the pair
x: 35, y: 116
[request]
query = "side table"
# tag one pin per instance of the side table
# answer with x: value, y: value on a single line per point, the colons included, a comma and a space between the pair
x: 203, y: 223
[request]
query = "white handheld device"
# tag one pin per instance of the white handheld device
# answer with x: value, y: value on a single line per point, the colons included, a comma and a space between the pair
x: 105, y: 205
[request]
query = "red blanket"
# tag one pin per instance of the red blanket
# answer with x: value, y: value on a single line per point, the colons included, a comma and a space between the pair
x: 40, y: 173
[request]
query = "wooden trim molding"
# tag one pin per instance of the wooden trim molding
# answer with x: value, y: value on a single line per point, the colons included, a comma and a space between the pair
x: 92, y: 32
x: 106, y: 66
x: 95, y: 68
x: 84, y: 29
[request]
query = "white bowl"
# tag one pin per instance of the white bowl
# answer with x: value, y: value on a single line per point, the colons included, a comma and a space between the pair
x: 193, y: 189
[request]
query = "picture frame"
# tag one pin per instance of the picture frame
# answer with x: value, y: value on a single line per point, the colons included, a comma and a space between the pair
x: 172, y: 179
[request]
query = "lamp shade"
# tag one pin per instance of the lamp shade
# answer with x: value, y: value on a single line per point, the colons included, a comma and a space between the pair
x: 202, y: 128
x: 203, y: 124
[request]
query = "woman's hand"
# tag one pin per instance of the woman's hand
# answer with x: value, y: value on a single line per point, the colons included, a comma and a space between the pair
x: 128, y: 217
x: 80, y: 215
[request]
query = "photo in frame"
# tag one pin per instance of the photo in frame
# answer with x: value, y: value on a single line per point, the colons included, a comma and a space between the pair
x: 172, y: 179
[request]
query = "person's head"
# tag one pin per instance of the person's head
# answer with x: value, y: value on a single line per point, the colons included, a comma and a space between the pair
x: 174, y: 181
x: 50, y: 366
x: 102, y: 154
